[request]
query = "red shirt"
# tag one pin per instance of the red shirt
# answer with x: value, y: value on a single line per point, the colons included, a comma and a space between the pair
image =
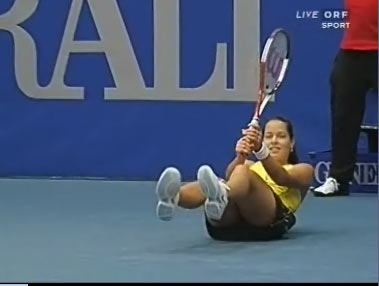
x: 362, y: 33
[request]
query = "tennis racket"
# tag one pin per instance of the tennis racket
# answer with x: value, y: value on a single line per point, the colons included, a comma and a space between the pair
x: 272, y: 69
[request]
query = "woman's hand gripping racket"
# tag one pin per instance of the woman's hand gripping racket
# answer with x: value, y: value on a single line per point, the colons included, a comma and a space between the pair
x: 272, y: 69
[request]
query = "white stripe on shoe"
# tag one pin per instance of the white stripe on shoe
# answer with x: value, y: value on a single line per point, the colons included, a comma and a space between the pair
x: 215, y: 191
x: 167, y: 190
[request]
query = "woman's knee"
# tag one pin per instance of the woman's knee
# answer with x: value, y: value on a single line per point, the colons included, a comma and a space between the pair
x: 241, y: 170
x: 247, y: 183
x: 244, y: 172
x: 240, y: 183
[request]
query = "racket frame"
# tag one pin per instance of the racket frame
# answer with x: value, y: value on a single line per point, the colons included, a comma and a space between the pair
x: 265, y: 96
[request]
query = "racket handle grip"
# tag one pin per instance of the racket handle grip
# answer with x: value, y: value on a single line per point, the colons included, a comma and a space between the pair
x: 254, y: 122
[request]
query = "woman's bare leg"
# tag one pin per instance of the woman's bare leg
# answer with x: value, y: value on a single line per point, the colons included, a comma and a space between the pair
x: 192, y: 196
x: 171, y: 193
x: 254, y: 199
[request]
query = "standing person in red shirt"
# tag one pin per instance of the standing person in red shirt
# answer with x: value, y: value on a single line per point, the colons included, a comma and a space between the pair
x: 354, y: 73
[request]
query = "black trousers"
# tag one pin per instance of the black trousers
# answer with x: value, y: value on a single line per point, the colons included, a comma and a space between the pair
x: 354, y: 74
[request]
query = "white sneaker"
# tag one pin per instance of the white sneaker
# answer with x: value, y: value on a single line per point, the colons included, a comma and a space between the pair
x: 216, y: 192
x: 330, y: 187
x: 167, y: 190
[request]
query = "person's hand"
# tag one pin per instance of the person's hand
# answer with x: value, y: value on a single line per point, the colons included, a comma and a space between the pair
x: 254, y: 136
x: 243, y: 148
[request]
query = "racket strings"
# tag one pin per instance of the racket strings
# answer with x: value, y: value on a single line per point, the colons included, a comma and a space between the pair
x: 272, y: 69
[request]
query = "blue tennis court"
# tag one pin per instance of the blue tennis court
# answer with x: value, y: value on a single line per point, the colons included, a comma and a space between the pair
x: 106, y: 231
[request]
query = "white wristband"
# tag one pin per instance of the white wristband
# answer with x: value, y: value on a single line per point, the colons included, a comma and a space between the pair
x: 263, y: 153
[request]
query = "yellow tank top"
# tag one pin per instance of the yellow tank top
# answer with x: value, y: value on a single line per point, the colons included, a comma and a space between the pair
x: 290, y: 197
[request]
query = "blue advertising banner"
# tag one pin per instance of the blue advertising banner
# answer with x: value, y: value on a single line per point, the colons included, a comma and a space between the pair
x: 121, y: 89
